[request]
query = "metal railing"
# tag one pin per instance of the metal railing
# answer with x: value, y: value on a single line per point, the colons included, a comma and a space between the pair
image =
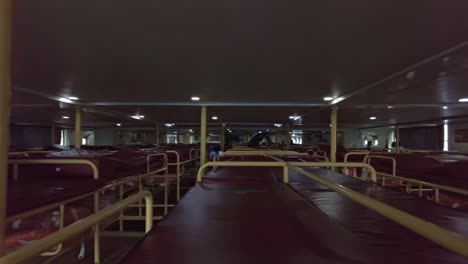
x: 17, y: 162
x: 408, y: 182
x: 34, y: 249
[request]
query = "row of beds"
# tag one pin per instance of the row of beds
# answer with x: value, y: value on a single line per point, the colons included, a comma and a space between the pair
x: 51, y: 188
x: 421, y: 172
x: 249, y: 215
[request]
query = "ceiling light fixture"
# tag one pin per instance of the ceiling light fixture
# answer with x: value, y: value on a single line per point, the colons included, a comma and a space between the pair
x: 328, y: 98
x: 72, y: 97
x: 170, y: 124
x: 138, y: 117
x: 278, y: 125
x: 195, y: 98
x: 65, y: 100
x: 372, y: 118
x: 445, y: 107
x: 118, y: 124
x: 389, y: 107
x: 463, y: 100
x: 65, y: 117
x: 291, y: 117
x: 337, y: 100
x: 214, y: 117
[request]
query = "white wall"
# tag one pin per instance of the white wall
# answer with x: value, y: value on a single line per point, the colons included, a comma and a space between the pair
x: 456, y: 146
x: 383, y: 134
x: 352, y: 138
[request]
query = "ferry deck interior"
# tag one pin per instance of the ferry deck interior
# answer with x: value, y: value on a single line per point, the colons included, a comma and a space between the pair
x: 235, y: 132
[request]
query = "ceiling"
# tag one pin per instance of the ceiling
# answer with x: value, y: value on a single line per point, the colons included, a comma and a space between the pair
x: 252, y: 62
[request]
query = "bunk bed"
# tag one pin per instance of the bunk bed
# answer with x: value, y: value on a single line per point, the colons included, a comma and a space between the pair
x: 48, y: 194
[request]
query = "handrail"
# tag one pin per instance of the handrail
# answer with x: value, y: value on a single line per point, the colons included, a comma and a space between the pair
x: 17, y: 162
x: 337, y: 165
x: 148, y: 159
x: 356, y: 153
x: 370, y: 157
x: 263, y: 153
x: 79, y: 227
x: 428, y: 230
x: 202, y: 168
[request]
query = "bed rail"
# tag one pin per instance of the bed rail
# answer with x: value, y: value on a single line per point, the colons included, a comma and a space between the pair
x: 80, y: 227
x: 17, y: 162
x: 421, y: 184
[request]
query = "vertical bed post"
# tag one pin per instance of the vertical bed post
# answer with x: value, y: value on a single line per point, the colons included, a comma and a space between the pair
x: 397, y: 138
x: 157, y: 135
x: 203, y: 136
x: 5, y: 83
x: 334, y: 112
x: 78, y: 128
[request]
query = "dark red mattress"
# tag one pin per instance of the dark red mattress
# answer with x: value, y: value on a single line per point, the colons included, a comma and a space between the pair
x: 241, y: 215
x: 255, y: 221
x: 39, y: 185
x: 23, y: 196
x: 123, y: 163
x: 407, y: 247
x: 425, y: 168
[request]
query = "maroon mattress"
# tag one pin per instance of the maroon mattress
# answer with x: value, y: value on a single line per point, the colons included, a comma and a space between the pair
x: 123, y: 163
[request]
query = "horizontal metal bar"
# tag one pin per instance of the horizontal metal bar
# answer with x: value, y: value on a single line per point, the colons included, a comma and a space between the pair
x: 338, y: 165
x: 58, y: 162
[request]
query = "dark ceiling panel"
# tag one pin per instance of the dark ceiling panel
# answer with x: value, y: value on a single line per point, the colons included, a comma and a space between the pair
x: 224, y: 51
x: 443, y: 80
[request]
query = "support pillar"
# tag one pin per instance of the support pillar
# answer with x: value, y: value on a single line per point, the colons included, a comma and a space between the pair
x: 157, y: 135
x: 333, y: 129
x: 78, y: 128
x: 5, y: 83
x: 203, y: 136
x: 288, y: 136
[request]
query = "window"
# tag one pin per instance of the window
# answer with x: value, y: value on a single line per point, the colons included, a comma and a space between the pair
x: 446, y: 137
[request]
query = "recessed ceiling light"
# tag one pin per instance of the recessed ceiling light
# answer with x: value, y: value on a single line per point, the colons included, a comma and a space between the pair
x: 410, y: 75
x: 65, y: 117
x: 291, y: 117
x: 445, y: 107
x: 389, y: 107
x: 328, y: 98
x: 72, y: 97
x: 195, y: 98
x: 463, y: 100
x: 65, y: 100
x: 118, y: 124
x: 372, y: 118
x: 214, y: 117
x: 169, y: 124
